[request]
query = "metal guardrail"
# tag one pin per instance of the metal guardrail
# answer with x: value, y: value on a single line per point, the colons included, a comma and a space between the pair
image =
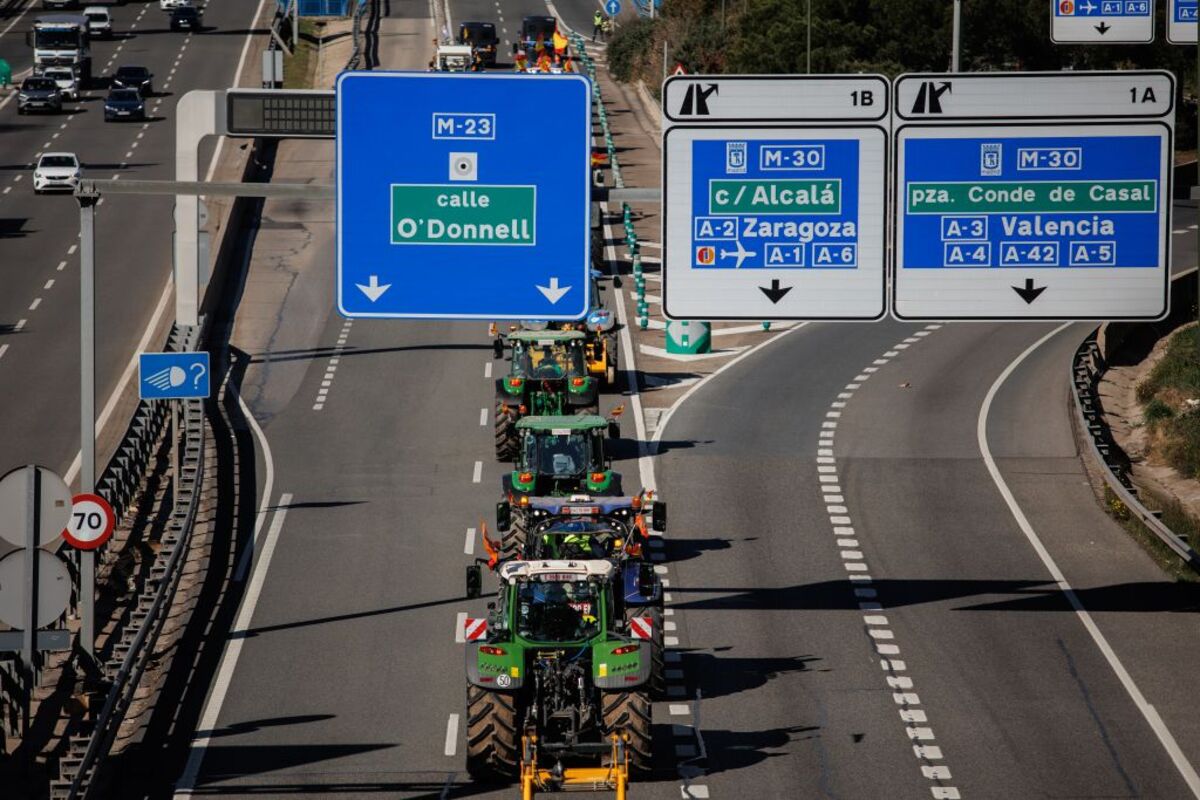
x: 1087, y: 367
x: 134, y: 640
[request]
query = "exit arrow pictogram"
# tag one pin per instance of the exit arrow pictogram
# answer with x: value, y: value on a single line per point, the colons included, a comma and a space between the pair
x: 775, y: 293
x: 1029, y: 294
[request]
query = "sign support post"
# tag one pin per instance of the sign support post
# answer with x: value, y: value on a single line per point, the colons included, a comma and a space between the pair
x: 87, y: 411
x: 957, y: 36
x: 29, y: 653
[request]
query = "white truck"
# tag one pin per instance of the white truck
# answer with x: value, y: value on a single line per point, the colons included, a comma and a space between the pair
x: 454, y: 58
x: 62, y: 40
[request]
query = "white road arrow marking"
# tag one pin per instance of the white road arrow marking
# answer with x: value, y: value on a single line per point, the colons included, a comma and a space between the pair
x: 553, y: 292
x: 374, y: 290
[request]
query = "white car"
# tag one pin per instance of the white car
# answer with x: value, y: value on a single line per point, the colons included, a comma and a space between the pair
x: 171, y: 5
x: 99, y: 21
x: 56, y: 172
x: 67, y: 80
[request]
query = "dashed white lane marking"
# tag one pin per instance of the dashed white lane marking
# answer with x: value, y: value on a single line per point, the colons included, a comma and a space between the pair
x: 71, y: 250
x: 62, y: 265
x: 876, y: 623
x: 460, y: 622
x: 452, y: 735
x: 3, y: 350
x: 20, y: 325
x: 483, y: 416
x: 487, y: 370
x: 7, y: 189
x: 37, y: 301
x: 469, y: 546
x: 477, y: 474
x: 332, y: 365
x: 1149, y: 713
x: 49, y: 284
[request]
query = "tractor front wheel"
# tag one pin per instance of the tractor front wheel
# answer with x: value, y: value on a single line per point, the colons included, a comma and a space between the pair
x: 629, y: 712
x: 514, y: 537
x: 506, y: 434
x: 610, y: 350
x: 493, y: 736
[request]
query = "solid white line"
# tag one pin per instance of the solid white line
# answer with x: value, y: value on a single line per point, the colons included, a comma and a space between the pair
x: 452, y: 735
x: 477, y: 475
x: 1186, y: 770
x: 233, y: 649
x: 18, y: 19
x: 469, y: 546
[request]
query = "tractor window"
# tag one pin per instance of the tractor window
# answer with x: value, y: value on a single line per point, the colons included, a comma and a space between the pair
x: 566, y: 611
x: 553, y: 454
x: 542, y: 362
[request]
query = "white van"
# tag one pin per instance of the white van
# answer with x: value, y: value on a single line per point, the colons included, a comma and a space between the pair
x: 99, y: 21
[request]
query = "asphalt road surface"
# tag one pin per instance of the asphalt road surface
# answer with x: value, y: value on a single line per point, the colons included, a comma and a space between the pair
x: 868, y: 533
x: 39, y: 258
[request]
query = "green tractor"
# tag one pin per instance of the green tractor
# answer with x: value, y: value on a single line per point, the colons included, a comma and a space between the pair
x: 558, y: 457
x: 548, y: 375
x: 557, y: 676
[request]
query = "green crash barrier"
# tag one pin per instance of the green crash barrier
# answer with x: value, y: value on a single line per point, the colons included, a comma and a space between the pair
x: 689, y: 338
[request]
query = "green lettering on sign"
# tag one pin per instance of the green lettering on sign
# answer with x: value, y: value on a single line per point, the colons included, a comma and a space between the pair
x: 1033, y: 197
x: 464, y: 214
x: 775, y: 196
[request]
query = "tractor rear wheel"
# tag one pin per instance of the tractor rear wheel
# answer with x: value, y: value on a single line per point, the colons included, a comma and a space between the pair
x: 629, y: 712
x: 658, y: 678
x: 493, y: 736
x: 514, y: 537
x: 506, y: 434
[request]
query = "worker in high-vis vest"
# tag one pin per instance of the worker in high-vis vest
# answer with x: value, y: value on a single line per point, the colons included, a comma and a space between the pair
x: 597, y: 23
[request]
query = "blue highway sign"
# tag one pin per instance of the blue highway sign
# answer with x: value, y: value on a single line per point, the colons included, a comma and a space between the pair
x: 1102, y: 21
x: 173, y: 376
x: 774, y: 197
x: 779, y: 204
x: 1181, y: 21
x: 1059, y: 217
x: 612, y: 7
x: 450, y: 205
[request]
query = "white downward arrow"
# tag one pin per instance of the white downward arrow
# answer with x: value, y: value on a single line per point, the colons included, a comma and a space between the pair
x: 553, y: 292
x: 373, y: 290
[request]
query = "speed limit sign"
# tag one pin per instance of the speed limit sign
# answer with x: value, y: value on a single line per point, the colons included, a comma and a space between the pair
x: 92, y: 522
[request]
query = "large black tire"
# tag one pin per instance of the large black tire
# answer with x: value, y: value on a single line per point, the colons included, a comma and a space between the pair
x: 493, y: 736
x: 658, y: 672
x: 506, y: 435
x: 610, y: 377
x: 629, y: 712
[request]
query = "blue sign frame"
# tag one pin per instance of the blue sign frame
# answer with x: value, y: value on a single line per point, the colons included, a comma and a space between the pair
x: 463, y: 195
x: 174, y: 376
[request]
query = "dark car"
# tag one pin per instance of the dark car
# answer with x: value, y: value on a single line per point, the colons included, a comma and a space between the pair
x: 124, y: 104
x: 185, y: 18
x: 39, y: 93
x: 534, y: 28
x: 129, y: 77
x: 481, y: 36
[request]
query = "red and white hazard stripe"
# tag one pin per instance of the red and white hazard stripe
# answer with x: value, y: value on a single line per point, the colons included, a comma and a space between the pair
x: 641, y: 627
x: 474, y: 629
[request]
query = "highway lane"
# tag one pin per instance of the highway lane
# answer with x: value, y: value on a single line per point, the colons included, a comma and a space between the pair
x: 38, y: 248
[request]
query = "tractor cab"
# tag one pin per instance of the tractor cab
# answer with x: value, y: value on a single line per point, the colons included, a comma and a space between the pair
x: 558, y: 456
x: 548, y: 376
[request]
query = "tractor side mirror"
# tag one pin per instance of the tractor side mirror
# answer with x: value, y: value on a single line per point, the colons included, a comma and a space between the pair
x: 617, y: 281
x: 647, y: 580
x: 503, y: 516
x: 614, y: 430
x: 474, y: 581
x: 658, y: 516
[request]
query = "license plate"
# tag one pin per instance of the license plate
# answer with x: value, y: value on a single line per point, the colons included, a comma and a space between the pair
x: 585, y: 510
x: 123, y: 113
